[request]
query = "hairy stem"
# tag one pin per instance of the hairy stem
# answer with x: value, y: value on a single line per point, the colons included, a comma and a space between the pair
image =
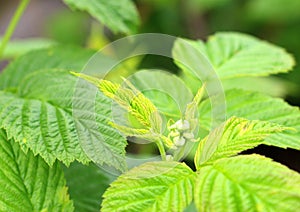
x: 179, y: 153
x: 12, y: 25
x: 161, y: 149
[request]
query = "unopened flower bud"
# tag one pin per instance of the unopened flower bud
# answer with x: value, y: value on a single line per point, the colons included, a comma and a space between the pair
x: 169, y: 158
x: 188, y: 136
x: 182, y: 125
x: 179, y: 141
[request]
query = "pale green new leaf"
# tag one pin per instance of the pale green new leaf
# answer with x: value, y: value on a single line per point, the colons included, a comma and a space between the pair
x: 130, y: 131
x: 40, y: 116
x: 59, y: 57
x: 256, y: 106
x: 28, y: 183
x: 128, y: 97
x: 247, y: 183
x: 233, y: 137
x: 86, y: 185
x: 192, y: 107
x: 153, y: 186
x: 119, y: 16
x: 233, y: 55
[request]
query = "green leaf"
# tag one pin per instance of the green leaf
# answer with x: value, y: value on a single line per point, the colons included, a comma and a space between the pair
x: 131, y: 131
x: 18, y: 47
x: 86, y: 186
x: 271, y: 85
x: 192, y: 107
x: 60, y: 57
x: 256, y: 106
x: 40, y: 116
x: 153, y: 186
x: 28, y: 183
x: 119, y: 16
x: 247, y: 183
x: 128, y: 97
x: 233, y: 55
x: 233, y: 137
x: 58, y: 122
x: 41, y: 119
x: 163, y: 89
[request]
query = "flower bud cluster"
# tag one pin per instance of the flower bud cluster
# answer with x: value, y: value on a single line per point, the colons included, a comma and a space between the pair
x: 181, y: 132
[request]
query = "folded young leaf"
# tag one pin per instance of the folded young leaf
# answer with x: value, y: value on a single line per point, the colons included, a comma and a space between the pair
x: 192, y: 107
x: 128, y: 97
x: 233, y: 55
x: 153, y: 186
x: 28, y: 183
x: 233, y: 137
x: 257, y: 106
x: 119, y: 16
x: 247, y: 183
x: 130, y: 131
x: 42, y: 116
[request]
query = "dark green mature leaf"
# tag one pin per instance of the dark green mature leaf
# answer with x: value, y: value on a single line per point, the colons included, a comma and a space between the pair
x: 86, y: 186
x: 39, y: 116
x: 233, y: 55
x: 60, y: 57
x: 43, y: 101
x: 120, y: 16
x: 247, y: 183
x: 233, y: 137
x: 28, y: 183
x: 256, y: 106
x: 153, y: 186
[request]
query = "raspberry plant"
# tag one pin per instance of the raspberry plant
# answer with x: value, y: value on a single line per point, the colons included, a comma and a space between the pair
x: 44, y: 166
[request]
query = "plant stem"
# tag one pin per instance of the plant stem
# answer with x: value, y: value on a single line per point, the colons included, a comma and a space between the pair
x: 179, y: 153
x: 161, y: 149
x: 12, y: 25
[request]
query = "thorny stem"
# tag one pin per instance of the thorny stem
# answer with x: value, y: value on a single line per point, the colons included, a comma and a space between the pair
x: 12, y: 25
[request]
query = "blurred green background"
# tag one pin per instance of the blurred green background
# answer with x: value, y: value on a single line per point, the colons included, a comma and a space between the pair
x: 277, y: 21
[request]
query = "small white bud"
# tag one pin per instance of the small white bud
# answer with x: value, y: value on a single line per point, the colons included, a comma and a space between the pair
x: 179, y: 141
x: 182, y: 125
x: 188, y: 136
x: 169, y: 158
